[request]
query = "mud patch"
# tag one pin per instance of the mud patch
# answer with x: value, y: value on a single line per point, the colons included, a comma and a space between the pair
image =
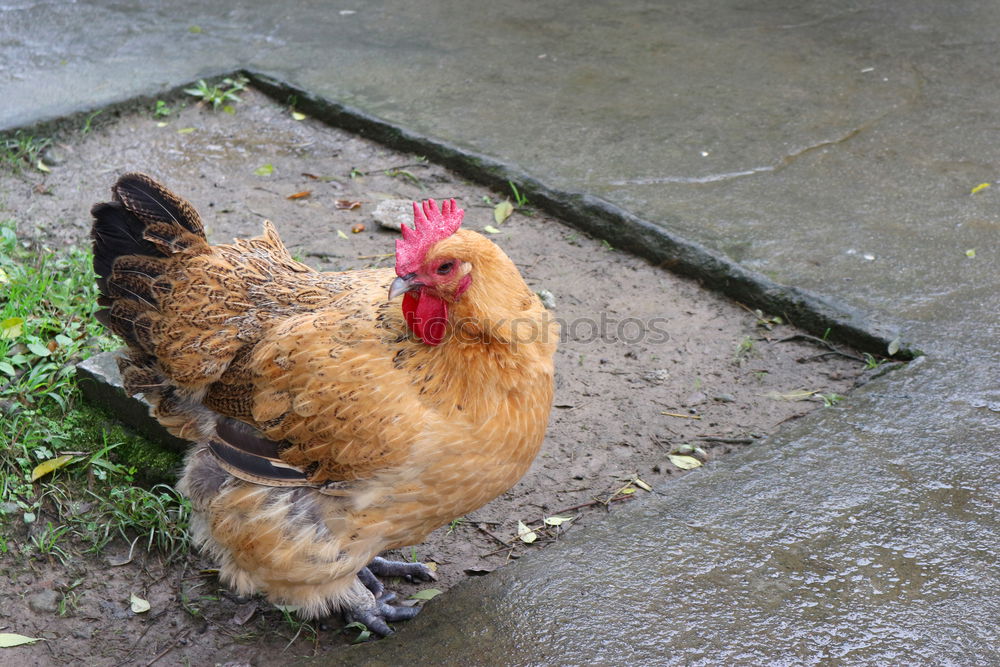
x: 650, y: 364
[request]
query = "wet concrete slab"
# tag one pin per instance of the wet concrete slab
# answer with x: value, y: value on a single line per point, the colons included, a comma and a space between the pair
x: 826, y: 145
x: 862, y: 535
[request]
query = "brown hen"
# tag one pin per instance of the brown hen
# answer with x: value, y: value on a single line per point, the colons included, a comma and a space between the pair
x: 330, y: 422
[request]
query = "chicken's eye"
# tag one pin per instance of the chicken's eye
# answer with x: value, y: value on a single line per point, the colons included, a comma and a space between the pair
x: 445, y: 268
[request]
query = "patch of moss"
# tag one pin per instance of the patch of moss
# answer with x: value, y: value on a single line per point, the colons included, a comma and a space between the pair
x: 94, y: 428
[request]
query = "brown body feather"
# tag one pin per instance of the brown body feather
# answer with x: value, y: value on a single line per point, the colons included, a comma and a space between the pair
x: 382, y: 437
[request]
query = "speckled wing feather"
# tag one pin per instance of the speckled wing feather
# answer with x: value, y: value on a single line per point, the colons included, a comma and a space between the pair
x: 244, y: 331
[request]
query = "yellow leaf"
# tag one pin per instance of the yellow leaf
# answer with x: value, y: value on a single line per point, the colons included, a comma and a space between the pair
x: 264, y: 169
x: 557, y: 520
x: 979, y: 188
x: 502, y: 211
x: 45, y: 467
x: 8, y: 639
x: 971, y: 252
x: 642, y: 485
x: 526, y: 534
x: 161, y: 124
x: 893, y: 346
x: 628, y: 490
x: 490, y: 229
x: 43, y: 167
x: 297, y: 115
x: 10, y: 328
x: 138, y: 605
x: 684, y: 462
x: 194, y: 29
x: 341, y: 234
x: 432, y: 566
x: 426, y: 594
x: 185, y: 130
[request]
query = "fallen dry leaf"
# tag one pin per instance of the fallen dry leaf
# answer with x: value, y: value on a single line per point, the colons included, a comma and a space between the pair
x: 684, y: 462
x: 426, y: 594
x: 642, y: 485
x: 526, y: 534
x: 138, y: 605
x: 557, y: 520
x: 300, y: 195
x: 502, y: 211
x: 45, y: 467
x: 8, y: 639
x: 358, y: 228
x: 347, y: 204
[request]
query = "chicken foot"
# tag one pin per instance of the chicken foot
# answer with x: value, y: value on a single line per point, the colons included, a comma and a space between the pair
x: 376, y: 613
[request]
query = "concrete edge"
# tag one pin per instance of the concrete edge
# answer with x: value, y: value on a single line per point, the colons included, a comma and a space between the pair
x: 822, y: 315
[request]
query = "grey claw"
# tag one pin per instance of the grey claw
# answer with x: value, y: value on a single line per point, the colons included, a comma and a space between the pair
x: 371, y: 582
x: 394, y: 568
x: 398, y: 613
x: 378, y: 613
x: 370, y: 620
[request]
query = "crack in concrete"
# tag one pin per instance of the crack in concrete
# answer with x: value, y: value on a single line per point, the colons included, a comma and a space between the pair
x: 909, y: 100
x: 780, y: 164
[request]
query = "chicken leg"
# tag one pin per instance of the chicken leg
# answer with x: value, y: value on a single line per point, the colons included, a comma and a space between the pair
x: 374, y: 610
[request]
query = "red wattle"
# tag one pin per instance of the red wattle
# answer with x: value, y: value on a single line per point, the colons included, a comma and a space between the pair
x: 426, y: 315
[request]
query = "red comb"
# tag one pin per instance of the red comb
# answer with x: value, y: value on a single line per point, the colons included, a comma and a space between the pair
x: 430, y: 225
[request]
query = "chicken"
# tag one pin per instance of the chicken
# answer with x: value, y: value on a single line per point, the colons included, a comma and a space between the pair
x: 330, y: 421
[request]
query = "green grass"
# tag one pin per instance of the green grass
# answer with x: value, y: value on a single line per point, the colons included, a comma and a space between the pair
x: 111, y: 483
x: 20, y: 149
x: 222, y: 94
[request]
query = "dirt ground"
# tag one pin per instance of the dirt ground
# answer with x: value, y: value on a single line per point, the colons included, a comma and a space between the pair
x: 649, y: 363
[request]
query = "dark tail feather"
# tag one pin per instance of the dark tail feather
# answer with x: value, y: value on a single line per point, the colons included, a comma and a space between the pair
x: 134, y: 237
x: 116, y: 233
x: 151, y: 202
x: 144, y: 219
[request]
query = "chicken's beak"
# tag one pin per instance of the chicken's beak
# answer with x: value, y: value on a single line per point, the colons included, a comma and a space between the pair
x: 403, y: 284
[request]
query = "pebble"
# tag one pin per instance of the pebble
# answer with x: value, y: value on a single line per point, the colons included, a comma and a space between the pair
x: 53, y: 156
x: 656, y: 376
x: 393, y: 213
x: 44, y: 602
x: 697, y: 398
x: 548, y: 299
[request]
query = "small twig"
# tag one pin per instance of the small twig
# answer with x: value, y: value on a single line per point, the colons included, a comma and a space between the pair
x: 323, y: 255
x: 487, y: 532
x: 388, y: 254
x: 177, y: 640
x: 824, y: 343
x: 594, y: 502
x: 396, y: 168
x: 505, y: 547
x: 823, y: 355
x: 677, y: 414
x: 728, y: 441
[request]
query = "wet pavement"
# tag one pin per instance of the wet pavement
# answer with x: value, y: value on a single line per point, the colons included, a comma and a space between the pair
x: 830, y: 146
